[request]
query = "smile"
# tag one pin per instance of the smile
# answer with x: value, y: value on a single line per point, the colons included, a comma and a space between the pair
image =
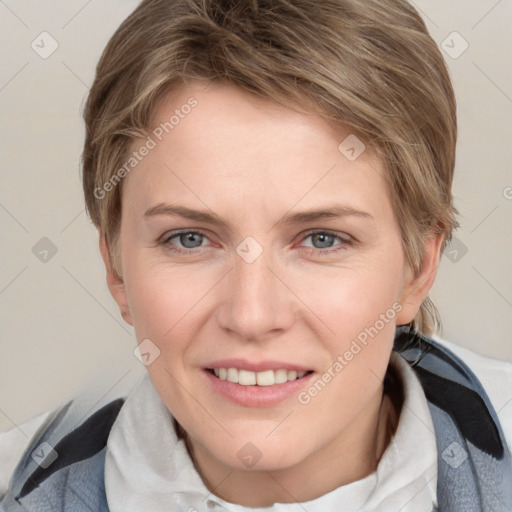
x: 252, y: 383
x: 263, y: 378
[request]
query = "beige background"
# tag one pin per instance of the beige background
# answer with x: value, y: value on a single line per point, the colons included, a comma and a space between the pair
x: 61, y: 332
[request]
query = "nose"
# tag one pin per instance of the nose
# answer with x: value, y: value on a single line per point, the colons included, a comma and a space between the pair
x: 256, y: 302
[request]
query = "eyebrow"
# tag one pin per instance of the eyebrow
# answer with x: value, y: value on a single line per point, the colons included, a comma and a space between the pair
x: 330, y: 212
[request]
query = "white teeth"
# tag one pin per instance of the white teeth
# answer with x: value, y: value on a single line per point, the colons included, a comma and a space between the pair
x: 280, y: 376
x: 265, y: 378
x: 246, y: 378
x: 233, y: 375
x: 292, y: 374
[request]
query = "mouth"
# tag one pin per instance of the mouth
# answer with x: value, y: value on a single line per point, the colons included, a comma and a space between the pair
x: 262, y: 378
x: 257, y: 383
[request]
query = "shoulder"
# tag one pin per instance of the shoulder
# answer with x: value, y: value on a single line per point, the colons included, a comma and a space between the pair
x: 12, y: 445
x: 495, y: 375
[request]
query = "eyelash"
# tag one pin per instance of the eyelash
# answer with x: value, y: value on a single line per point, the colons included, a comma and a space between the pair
x: 343, y: 245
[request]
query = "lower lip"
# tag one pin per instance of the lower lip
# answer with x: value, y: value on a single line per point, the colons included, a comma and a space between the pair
x: 257, y: 396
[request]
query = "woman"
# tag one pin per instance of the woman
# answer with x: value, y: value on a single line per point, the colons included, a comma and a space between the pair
x: 308, y: 149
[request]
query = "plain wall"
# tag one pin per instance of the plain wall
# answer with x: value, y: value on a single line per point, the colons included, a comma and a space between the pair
x: 61, y: 332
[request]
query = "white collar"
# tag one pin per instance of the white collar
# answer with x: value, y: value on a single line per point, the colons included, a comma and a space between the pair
x: 147, y: 468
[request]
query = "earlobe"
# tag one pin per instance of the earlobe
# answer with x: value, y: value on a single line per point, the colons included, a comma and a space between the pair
x: 417, y: 288
x: 115, y: 282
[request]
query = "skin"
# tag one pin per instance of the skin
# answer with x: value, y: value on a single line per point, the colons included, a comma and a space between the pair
x: 251, y: 162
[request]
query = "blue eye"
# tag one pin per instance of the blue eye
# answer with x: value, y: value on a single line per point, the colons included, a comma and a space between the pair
x: 188, y: 239
x: 325, y: 239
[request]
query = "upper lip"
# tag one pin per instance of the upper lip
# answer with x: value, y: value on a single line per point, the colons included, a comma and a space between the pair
x: 260, y: 366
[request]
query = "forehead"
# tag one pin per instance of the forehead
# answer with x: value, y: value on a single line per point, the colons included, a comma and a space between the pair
x: 216, y: 144
x: 221, y: 109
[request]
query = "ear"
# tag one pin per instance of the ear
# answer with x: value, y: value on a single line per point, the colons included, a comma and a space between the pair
x: 115, y: 282
x: 416, y: 288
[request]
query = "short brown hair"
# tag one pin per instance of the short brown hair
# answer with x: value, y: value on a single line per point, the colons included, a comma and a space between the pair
x: 370, y: 65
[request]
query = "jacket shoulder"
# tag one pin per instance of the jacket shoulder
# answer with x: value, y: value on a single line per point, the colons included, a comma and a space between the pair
x: 451, y: 384
x: 13, y: 444
x: 496, y: 378
x: 71, y: 441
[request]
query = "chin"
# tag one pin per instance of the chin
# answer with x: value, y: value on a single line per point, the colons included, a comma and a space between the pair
x: 260, y: 454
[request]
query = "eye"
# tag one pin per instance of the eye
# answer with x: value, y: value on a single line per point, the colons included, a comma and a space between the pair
x: 188, y: 239
x: 323, y: 242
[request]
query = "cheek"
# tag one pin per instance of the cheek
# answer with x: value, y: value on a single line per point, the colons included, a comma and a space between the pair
x: 359, y: 313
x: 162, y: 301
x: 166, y: 309
x: 170, y: 305
x: 358, y: 308
x: 349, y: 299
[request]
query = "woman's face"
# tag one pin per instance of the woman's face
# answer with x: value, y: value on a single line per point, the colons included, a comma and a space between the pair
x: 289, y: 260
